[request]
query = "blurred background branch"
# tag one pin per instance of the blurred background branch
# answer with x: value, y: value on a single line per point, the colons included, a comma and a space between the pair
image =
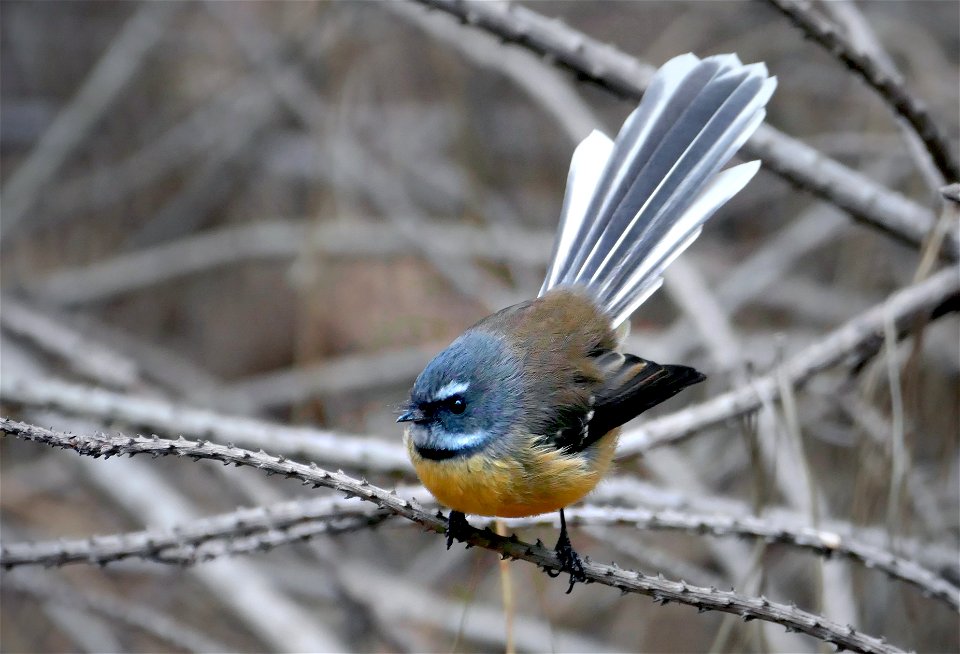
x: 887, y: 84
x: 614, y: 70
x: 252, y: 223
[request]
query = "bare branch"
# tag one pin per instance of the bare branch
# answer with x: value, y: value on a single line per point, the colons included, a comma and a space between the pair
x: 370, y: 453
x: 798, y: 163
x: 109, y: 76
x: 660, y: 589
x: 279, y: 240
x: 891, y: 89
x: 859, y: 337
x: 825, y: 543
x: 246, y: 530
x: 262, y: 528
x: 178, y: 634
x: 850, y: 19
x: 632, y: 492
x: 85, y: 356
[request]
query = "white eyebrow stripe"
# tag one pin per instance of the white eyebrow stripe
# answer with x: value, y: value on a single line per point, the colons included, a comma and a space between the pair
x: 452, y: 388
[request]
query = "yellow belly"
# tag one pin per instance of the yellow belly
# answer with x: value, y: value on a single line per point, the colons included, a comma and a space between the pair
x: 539, y: 480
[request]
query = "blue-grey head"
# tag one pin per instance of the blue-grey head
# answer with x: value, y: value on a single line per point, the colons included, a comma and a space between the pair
x: 466, y: 399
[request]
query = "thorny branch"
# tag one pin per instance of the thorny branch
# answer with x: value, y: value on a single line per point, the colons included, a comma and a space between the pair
x: 660, y: 589
x: 826, y: 543
x: 618, y: 72
x: 158, y: 414
x: 231, y: 533
x: 263, y: 528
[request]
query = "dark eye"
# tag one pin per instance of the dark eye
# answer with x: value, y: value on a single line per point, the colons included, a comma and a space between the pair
x: 456, y: 404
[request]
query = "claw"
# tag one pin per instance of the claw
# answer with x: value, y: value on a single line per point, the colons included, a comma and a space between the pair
x: 456, y: 527
x: 569, y: 559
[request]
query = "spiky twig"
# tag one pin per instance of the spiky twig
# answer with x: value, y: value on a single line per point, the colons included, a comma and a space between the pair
x: 239, y: 531
x: 263, y: 528
x: 660, y: 589
x: 826, y: 543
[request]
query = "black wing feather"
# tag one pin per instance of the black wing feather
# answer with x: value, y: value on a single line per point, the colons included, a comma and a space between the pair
x: 638, y: 385
x: 632, y: 385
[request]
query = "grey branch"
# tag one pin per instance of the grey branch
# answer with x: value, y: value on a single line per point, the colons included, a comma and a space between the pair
x: 343, y: 374
x: 660, y: 589
x: 139, y: 35
x: 618, y: 72
x: 155, y: 413
x: 85, y: 356
x: 824, y: 542
x: 262, y: 528
x: 278, y: 240
x: 892, y: 90
x: 858, y: 338
x: 630, y: 491
x: 245, y: 530
x: 178, y: 634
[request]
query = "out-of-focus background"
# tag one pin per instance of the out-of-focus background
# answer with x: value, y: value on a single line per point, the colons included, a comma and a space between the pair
x: 281, y: 210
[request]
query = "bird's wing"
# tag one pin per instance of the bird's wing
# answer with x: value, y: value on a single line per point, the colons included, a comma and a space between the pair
x: 635, y: 386
x: 631, y: 386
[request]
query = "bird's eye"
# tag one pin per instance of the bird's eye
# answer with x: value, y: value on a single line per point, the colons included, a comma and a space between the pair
x: 457, y: 404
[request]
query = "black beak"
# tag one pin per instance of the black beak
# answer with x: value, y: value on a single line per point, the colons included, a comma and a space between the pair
x: 413, y: 415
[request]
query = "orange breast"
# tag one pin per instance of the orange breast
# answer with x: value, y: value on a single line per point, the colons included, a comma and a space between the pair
x: 539, y: 480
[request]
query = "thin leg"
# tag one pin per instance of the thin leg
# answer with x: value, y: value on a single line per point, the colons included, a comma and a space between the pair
x: 456, y: 526
x: 569, y: 559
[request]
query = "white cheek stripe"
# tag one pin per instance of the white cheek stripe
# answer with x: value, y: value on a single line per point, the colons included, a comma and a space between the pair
x: 462, y: 441
x: 452, y: 388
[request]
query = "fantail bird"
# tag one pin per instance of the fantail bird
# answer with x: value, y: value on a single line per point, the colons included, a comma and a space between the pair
x: 520, y: 415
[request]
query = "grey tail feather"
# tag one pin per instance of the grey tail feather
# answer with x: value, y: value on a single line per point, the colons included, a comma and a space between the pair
x: 633, y: 205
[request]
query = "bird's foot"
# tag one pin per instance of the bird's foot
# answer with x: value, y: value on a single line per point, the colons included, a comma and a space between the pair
x: 569, y: 559
x: 457, y: 527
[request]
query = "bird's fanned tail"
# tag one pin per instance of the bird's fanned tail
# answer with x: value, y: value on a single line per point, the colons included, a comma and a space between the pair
x: 633, y: 205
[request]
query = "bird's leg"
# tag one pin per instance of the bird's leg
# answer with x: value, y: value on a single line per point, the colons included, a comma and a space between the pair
x: 569, y: 559
x: 457, y: 527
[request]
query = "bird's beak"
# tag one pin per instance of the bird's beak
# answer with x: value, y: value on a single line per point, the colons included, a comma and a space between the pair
x: 413, y: 415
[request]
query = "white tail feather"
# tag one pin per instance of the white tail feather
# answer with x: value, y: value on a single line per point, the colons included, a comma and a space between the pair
x: 633, y: 205
x: 586, y: 166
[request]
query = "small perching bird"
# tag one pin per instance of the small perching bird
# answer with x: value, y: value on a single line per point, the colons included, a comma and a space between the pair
x: 520, y: 415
